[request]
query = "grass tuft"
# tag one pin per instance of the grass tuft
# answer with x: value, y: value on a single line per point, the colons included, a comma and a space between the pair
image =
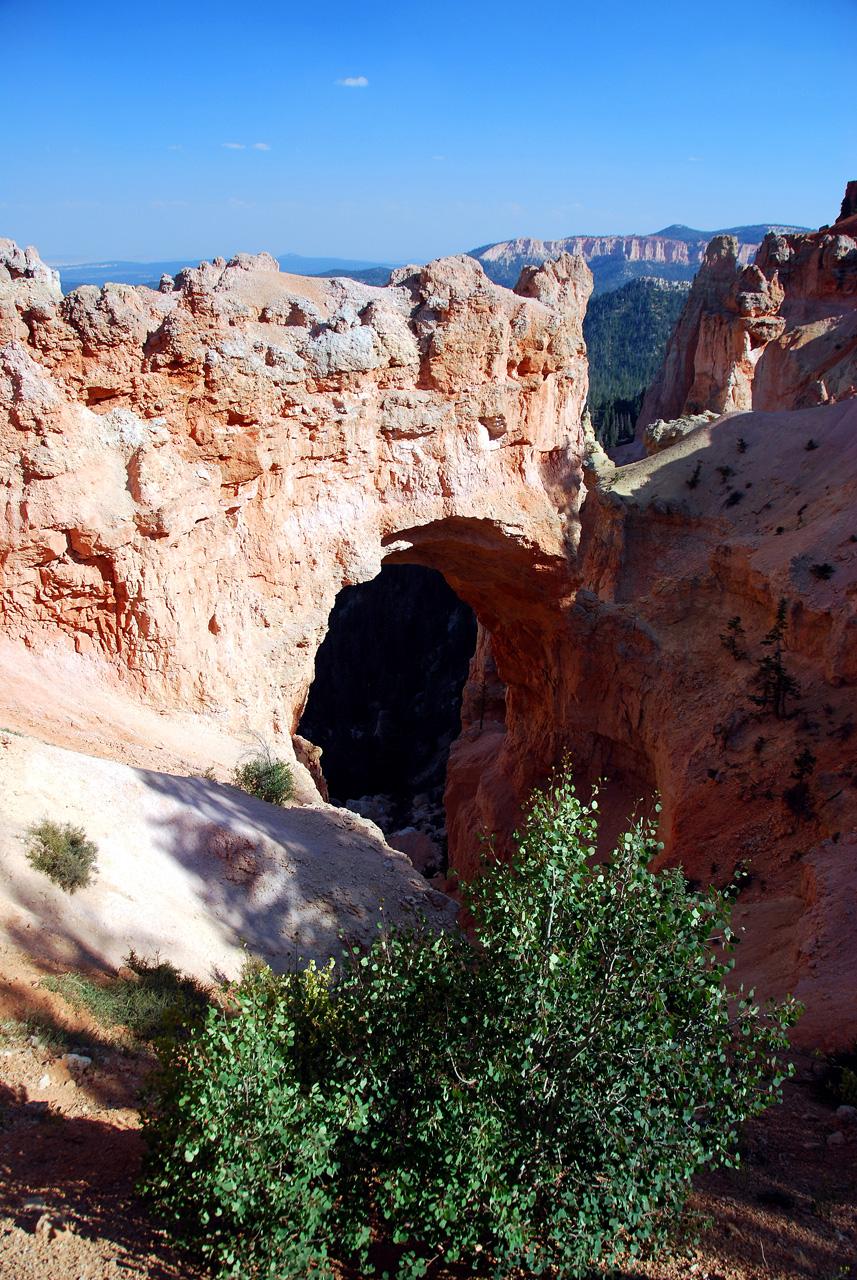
x: 150, y: 998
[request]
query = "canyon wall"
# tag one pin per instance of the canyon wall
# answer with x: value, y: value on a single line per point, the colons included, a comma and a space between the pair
x: 673, y: 254
x: 192, y: 474
x: 632, y: 248
x: 778, y: 334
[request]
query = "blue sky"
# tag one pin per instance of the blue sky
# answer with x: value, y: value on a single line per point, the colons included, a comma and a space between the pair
x: 476, y: 122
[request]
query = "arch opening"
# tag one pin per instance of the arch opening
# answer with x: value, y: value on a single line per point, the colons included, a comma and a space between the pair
x: 385, y: 703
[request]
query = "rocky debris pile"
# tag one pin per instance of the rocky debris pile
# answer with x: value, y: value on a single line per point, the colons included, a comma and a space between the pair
x: 846, y: 1126
x: 663, y: 435
x: 423, y: 838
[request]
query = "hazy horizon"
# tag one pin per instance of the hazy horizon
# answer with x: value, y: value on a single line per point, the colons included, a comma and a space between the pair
x: 362, y: 262
x: 386, y: 134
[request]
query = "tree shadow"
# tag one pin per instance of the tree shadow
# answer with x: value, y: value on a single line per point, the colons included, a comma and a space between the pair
x: 291, y: 883
x: 86, y: 1170
x: 232, y: 871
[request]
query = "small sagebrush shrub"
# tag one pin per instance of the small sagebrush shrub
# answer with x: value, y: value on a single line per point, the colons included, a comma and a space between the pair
x: 152, y: 998
x: 265, y: 777
x: 63, y: 854
x: 540, y: 1101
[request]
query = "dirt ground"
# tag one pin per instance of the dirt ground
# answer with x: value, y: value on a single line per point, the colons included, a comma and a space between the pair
x: 70, y: 1151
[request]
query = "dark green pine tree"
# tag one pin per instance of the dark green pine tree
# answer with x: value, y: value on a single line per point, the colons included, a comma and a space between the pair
x: 732, y: 637
x: 774, y: 683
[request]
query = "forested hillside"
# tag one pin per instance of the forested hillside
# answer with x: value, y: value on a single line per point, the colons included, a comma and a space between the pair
x: 626, y: 332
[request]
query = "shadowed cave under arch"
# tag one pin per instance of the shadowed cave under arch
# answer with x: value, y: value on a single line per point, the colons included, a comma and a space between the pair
x: 385, y: 703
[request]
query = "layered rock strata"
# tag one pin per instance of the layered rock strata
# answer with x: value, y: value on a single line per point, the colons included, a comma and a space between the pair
x: 191, y: 475
x: 612, y: 258
x: 197, y: 872
x: 780, y: 333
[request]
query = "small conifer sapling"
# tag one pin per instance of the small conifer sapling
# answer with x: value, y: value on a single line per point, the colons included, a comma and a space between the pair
x: 774, y: 682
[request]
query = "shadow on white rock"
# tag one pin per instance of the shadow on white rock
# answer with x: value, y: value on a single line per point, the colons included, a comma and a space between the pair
x: 194, y: 870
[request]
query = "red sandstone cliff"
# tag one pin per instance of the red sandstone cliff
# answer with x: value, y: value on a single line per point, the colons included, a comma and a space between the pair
x: 191, y: 475
x: 778, y: 334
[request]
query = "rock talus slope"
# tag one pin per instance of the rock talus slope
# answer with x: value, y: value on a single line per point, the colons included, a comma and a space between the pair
x: 197, y: 871
x: 192, y: 474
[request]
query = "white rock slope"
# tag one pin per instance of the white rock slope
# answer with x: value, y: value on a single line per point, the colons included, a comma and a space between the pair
x: 193, y: 870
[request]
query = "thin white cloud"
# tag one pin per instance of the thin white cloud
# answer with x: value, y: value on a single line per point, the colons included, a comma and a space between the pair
x: 233, y: 146
x: 695, y: 159
x: 261, y: 146
x: 438, y: 157
x: 354, y: 82
x: 174, y: 146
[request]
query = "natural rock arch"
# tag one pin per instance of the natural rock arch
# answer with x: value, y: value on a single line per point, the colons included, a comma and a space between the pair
x: 191, y: 474
x: 261, y: 441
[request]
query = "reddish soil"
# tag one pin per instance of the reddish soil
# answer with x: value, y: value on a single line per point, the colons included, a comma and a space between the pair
x: 70, y: 1153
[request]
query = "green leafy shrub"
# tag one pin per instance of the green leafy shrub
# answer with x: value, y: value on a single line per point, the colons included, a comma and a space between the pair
x: 151, y: 999
x: 539, y: 1101
x: 265, y: 777
x: 63, y: 854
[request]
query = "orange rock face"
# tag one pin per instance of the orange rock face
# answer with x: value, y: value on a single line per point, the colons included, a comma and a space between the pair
x: 778, y: 334
x: 192, y: 474
x: 743, y: 513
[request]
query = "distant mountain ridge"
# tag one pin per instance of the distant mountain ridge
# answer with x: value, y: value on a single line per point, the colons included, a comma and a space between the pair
x: 753, y: 233
x: 674, y: 253
x: 149, y: 273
